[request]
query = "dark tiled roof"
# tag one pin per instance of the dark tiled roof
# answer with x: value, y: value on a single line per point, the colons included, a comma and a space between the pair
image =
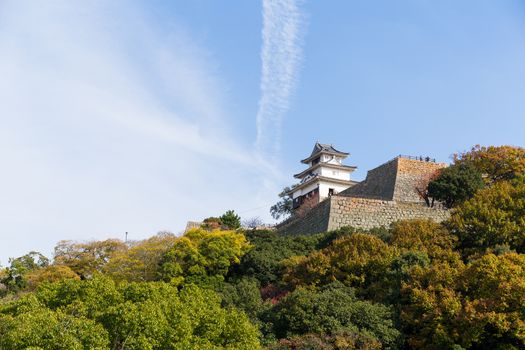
x: 325, y: 148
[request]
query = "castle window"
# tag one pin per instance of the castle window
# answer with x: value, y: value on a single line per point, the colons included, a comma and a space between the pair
x: 331, y: 192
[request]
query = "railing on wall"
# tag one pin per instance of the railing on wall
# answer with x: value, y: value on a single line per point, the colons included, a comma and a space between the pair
x: 420, y: 158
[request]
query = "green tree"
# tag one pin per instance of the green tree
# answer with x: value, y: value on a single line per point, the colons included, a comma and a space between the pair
x: 332, y: 309
x: 496, y: 163
x: 265, y: 261
x: 284, y: 207
x: 245, y: 295
x: 492, y: 218
x: 230, y: 220
x: 99, y: 314
x: 456, y: 184
x: 14, y: 277
x: 202, y: 257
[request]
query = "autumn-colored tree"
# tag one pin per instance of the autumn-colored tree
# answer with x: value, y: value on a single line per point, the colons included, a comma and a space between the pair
x: 141, y: 261
x: 493, y: 217
x: 202, y: 257
x: 424, y: 235
x: 49, y: 274
x: 475, y: 307
x: 87, y: 258
x: 211, y: 224
x: 430, y: 304
x: 456, y: 184
x: 493, y: 314
x: 359, y: 260
x: 345, y: 340
x: 495, y: 162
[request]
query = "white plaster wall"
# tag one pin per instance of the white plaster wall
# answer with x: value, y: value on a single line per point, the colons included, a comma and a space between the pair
x: 325, y: 186
x: 305, y: 190
x: 339, y: 174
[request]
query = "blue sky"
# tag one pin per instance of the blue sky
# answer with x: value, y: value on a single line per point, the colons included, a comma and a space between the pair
x: 138, y: 116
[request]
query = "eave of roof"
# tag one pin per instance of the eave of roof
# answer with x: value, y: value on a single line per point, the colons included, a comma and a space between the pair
x: 322, y: 178
x: 315, y: 155
x: 328, y: 165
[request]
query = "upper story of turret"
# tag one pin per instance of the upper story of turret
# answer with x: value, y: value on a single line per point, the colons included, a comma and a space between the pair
x: 325, y: 161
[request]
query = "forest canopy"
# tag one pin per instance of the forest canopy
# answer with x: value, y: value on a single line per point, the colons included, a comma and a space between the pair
x: 417, y: 284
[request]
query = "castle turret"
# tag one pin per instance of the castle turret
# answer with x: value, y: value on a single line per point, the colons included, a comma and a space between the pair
x: 326, y: 175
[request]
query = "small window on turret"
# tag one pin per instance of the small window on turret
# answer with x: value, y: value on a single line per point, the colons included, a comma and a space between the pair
x: 330, y: 192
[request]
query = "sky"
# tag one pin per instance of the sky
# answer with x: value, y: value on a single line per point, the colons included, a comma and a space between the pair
x: 137, y: 116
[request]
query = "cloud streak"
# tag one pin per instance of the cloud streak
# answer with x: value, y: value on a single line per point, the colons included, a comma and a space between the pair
x: 112, y: 123
x: 281, y: 56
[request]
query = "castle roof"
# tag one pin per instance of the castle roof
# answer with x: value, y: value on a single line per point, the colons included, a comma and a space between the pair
x: 321, y: 148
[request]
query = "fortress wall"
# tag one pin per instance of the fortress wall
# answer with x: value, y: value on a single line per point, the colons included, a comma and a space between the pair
x: 379, y: 183
x: 388, y: 194
x: 339, y: 211
x: 412, y: 175
x: 313, y: 221
x: 369, y: 213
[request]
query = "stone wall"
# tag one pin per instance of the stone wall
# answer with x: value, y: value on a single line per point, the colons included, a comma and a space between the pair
x: 313, y: 221
x: 398, y: 180
x: 369, y: 213
x: 379, y: 183
x: 388, y: 194
x: 412, y: 175
x: 365, y: 213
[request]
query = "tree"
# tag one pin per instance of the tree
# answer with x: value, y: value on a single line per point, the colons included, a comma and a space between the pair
x: 99, y: 314
x: 202, y: 257
x: 456, y: 184
x: 424, y: 235
x: 359, y: 260
x: 345, y: 340
x: 211, y: 223
x: 495, y: 163
x: 253, y: 223
x: 14, y: 277
x: 230, y: 220
x: 430, y: 303
x: 331, y: 310
x: 479, y: 306
x: 493, y: 217
x: 87, y: 258
x: 49, y: 274
x: 284, y: 207
x: 141, y: 261
x: 265, y: 261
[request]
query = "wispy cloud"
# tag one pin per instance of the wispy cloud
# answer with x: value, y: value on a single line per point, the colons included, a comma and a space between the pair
x: 111, y: 123
x: 283, y: 26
